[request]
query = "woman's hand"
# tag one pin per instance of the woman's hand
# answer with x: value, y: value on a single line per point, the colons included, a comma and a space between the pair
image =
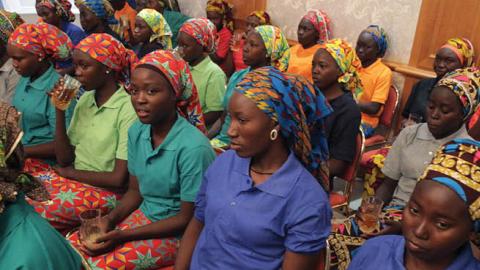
x: 109, y: 238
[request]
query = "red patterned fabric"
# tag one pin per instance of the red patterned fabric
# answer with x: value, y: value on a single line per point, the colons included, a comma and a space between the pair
x: 143, y: 254
x: 33, y: 165
x: 203, y: 31
x: 43, y: 40
x: 177, y: 72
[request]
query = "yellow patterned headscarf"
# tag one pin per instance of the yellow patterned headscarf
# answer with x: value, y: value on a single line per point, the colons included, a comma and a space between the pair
x: 225, y: 9
x: 348, y: 62
x: 276, y: 44
x: 463, y: 49
x: 262, y: 16
x: 158, y: 24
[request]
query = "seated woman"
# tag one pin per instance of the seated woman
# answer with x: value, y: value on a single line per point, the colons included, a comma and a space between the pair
x: 219, y: 12
x: 33, y: 49
x: 167, y: 157
x: 253, y: 20
x: 8, y: 76
x: 255, y: 55
x: 58, y: 13
x: 450, y: 103
x: 313, y: 30
x: 261, y: 204
x: 97, y: 16
x: 126, y: 15
x: 27, y: 241
x: 92, y: 152
x: 439, y: 219
x: 376, y: 77
x: 335, y: 74
x: 196, y: 41
x: 151, y: 32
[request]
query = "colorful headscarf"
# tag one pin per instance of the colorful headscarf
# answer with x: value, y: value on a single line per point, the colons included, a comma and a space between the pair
x: 177, y: 72
x: 457, y: 166
x: 321, y: 22
x: 42, y: 39
x: 224, y: 9
x: 262, y: 16
x: 109, y: 51
x: 380, y: 36
x: 8, y: 22
x: 203, y: 31
x: 61, y: 7
x: 12, y: 180
x: 158, y: 24
x: 276, y: 44
x: 299, y: 108
x: 465, y: 83
x: 101, y: 8
x: 463, y: 49
x: 348, y: 62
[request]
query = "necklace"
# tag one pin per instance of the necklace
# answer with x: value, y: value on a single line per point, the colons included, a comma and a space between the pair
x: 257, y: 172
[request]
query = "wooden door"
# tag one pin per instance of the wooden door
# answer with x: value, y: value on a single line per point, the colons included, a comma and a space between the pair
x: 242, y: 8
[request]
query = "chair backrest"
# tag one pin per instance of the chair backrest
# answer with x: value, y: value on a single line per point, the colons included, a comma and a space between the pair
x: 390, y: 107
x: 351, y: 171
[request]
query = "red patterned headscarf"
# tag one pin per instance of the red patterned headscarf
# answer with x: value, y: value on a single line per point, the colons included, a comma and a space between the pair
x: 42, y: 39
x: 109, y: 51
x: 203, y: 31
x: 61, y: 7
x: 177, y: 72
x: 321, y: 22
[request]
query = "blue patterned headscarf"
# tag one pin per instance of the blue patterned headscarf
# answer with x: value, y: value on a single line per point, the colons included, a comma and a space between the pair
x: 102, y: 9
x: 380, y: 37
x: 299, y: 108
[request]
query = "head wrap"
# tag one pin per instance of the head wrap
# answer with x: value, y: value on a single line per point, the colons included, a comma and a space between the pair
x: 465, y: 83
x: 276, y: 44
x: 321, y: 22
x: 463, y: 49
x: 457, y: 166
x: 101, y: 8
x: 299, y: 108
x: 262, y: 16
x: 109, y: 51
x: 203, y: 31
x: 348, y: 62
x: 12, y: 181
x: 43, y: 40
x: 158, y: 24
x: 224, y: 9
x: 177, y: 72
x: 61, y: 7
x: 380, y: 36
x: 8, y: 22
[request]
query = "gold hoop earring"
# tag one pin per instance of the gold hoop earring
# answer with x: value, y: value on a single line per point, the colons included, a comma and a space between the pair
x: 273, y: 134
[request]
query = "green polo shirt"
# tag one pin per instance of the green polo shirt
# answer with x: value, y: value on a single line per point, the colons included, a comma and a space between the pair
x: 210, y: 81
x: 170, y: 173
x: 38, y: 114
x: 99, y: 134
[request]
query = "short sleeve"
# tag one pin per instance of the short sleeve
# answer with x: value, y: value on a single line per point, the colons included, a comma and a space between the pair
x: 393, y: 161
x: 224, y: 37
x: 215, y: 92
x: 192, y: 165
x: 201, y: 200
x: 380, y: 93
x: 126, y: 117
x: 309, y: 229
x: 344, y: 135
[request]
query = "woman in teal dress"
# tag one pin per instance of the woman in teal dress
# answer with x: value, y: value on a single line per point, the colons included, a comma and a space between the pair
x: 26, y: 239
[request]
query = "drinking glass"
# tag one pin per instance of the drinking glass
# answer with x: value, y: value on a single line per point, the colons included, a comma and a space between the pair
x: 90, y: 225
x: 369, y: 213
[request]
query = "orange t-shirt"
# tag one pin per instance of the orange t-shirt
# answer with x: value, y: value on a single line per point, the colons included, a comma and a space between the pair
x: 376, y: 80
x: 301, y: 60
x: 129, y: 14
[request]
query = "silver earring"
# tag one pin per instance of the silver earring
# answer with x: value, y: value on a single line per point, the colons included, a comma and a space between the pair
x: 273, y: 134
x: 107, y: 72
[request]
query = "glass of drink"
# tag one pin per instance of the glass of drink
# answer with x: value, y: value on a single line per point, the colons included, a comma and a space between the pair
x: 368, y: 214
x: 235, y: 44
x: 90, y: 226
x: 62, y: 97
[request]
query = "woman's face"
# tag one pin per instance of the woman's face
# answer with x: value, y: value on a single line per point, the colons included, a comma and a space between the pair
x: 88, y: 19
x: 152, y: 96
x: 250, y: 127
x: 216, y: 18
x: 24, y: 62
x: 307, y: 34
x: 48, y: 15
x: 254, y: 51
x: 142, y: 31
x: 189, y: 48
x: 445, y: 61
x: 444, y: 112
x: 325, y: 71
x: 252, y: 22
x: 89, y: 72
x: 367, y: 49
x: 436, y: 222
